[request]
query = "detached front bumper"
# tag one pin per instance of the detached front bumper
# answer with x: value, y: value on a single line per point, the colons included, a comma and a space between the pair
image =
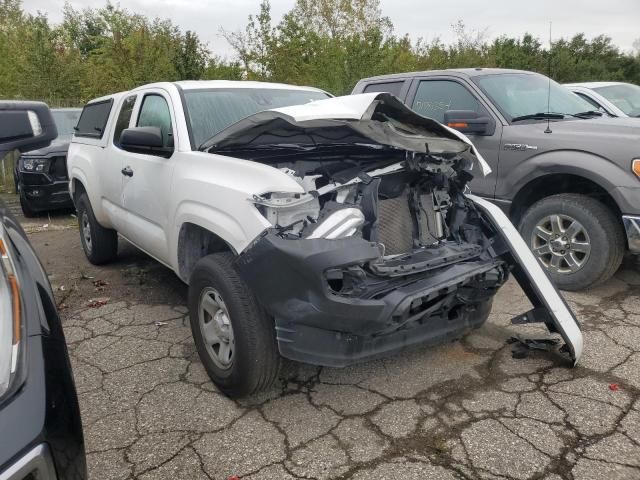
x: 534, y: 281
x: 370, y: 315
x: 632, y: 228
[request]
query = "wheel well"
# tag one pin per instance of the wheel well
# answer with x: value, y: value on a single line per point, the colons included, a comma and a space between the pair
x: 548, y: 185
x: 78, y: 189
x: 195, y: 242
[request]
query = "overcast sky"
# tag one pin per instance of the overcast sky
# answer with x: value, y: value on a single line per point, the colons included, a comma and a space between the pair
x: 420, y: 18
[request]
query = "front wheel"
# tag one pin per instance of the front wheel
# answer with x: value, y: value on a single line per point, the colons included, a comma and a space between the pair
x: 234, y: 336
x: 27, y: 211
x: 576, y: 238
x: 100, y: 244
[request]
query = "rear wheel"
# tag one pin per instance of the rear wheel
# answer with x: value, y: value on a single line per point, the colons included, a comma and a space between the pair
x: 234, y: 336
x: 100, y: 244
x: 576, y: 238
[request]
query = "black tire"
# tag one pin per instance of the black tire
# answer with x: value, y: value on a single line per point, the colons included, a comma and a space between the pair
x: 605, y: 236
x: 102, y: 246
x: 27, y: 211
x: 255, y: 363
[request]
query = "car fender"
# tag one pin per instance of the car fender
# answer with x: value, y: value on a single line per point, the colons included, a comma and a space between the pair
x: 215, y: 192
x: 236, y: 233
x: 595, y: 168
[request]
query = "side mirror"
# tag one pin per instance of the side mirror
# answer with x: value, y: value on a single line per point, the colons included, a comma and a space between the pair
x: 469, y: 122
x: 144, y: 140
x: 25, y: 126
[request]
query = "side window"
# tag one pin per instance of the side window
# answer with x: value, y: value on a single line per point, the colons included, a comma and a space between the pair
x: 123, y: 118
x: 390, y: 87
x: 589, y: 100
x: 155, y: 113
x: 93, y: 119
x: 434, y: 97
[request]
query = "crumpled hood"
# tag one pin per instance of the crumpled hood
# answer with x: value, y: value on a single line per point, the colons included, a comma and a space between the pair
x: 378, y: 119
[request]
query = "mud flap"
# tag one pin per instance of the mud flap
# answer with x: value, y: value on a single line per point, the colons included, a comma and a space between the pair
x: 535, y: 282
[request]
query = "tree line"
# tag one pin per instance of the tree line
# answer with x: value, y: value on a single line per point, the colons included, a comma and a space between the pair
x: 330, y: 44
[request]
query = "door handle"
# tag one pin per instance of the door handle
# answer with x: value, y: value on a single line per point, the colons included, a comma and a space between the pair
x: 127, y: 172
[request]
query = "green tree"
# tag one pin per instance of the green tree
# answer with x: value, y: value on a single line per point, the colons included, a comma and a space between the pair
x: 191, y: 57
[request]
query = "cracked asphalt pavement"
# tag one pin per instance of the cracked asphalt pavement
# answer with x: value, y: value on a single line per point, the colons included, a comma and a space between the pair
x: 464, y: 410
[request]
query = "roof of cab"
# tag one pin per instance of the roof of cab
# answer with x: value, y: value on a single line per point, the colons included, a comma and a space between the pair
x: 593, y: 84
x: 468, y: 72
x: 203, y: 84
x: 114, y: 96
x: 208, y: 84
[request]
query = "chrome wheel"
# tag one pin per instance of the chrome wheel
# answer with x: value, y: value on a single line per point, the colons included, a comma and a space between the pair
x: 216, y: 329
x: 561, y: 243
x: 86, y: 231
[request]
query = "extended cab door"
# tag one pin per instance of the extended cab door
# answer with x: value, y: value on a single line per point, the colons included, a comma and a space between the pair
x: 109, y: 164
x: 147, y: 177
x: 433, y: 96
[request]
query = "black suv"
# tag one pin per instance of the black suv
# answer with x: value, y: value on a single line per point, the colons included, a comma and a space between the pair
x: 41, y: 175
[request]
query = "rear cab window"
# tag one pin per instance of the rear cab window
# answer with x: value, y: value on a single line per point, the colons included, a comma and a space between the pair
x: 394, y: 88
x: 93, y: 119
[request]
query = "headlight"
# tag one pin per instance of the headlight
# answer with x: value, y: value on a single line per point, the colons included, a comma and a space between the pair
x: 11, y: 322
x: 32, y: 164
x: 635, y: 166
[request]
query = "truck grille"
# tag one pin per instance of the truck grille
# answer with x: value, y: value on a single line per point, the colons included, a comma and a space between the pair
x: 395, y: 226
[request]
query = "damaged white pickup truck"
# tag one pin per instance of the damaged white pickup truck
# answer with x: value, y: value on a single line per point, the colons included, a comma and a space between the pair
x: 327, y: 232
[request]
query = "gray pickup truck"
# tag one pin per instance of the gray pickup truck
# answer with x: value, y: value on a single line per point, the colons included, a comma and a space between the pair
x: 568, y: 178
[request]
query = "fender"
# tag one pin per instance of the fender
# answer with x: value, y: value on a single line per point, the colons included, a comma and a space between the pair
x: 226, y: 210
x: 238, y: 235
x: 595, y: 168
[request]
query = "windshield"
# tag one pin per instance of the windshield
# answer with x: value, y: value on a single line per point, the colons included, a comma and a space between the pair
x: 519, y: 94
x: 65, y: 120
x: 624, y: 96
x: 211, y: 111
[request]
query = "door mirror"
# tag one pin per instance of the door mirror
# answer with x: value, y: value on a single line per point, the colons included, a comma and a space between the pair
x: 469, y: 122
x: 144, y: 140
x: 25, y: 126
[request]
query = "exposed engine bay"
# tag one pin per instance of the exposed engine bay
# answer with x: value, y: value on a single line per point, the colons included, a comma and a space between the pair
x: 414, y: 210
x: 383, y: 249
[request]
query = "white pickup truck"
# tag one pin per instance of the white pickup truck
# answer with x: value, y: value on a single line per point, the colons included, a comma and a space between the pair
x: 324, y: 230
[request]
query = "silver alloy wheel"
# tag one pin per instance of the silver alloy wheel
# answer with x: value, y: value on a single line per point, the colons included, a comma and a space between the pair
x: 86, y: 231
x: 216, y: 329
x: 561, y: 243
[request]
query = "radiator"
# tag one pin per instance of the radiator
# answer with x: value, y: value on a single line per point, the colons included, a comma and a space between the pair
x: 395, y: 227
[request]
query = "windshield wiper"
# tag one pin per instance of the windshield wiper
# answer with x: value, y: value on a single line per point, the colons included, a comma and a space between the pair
x: 539, y: 116
x: 587, y: 114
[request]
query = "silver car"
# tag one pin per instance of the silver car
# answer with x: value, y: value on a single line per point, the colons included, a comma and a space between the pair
x: 617, y: 99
